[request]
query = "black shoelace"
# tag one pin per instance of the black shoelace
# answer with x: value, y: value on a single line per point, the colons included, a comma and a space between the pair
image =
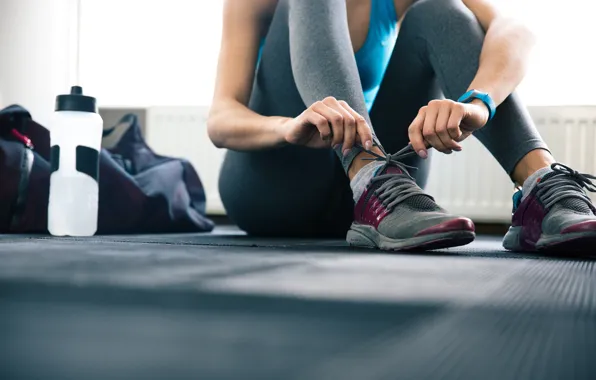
x: 565, y: 183
x: 396, y: 187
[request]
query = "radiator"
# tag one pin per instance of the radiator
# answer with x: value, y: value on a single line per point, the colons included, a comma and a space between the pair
x: 469, y: 183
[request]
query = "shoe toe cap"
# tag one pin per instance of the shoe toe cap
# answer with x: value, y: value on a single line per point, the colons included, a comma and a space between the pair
x: 453, y: 225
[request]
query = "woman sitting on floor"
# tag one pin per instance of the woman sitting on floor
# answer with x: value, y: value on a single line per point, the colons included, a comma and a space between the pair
x: 300, y: 74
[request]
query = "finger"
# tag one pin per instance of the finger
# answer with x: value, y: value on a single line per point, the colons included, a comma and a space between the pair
x: 455, y: 119
x: 429, y: 130
x: 415, y: 134
x: 349, y: 123
x: 320, y: 122
x: 334, y: 118
x: 363, y: 130
x: 338, y: 124
x: 441, y: 127
x: 364, y: 133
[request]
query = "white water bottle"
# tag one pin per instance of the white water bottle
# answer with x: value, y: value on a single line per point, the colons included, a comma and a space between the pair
x: 75, y: 134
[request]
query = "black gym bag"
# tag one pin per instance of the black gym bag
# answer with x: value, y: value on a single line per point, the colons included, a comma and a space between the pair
x: 139, y: 191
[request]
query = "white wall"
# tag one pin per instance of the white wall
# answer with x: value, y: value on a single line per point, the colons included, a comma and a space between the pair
x: 164, y: 54
x: 143, y: 53
x: 139, y: 53
x: 563, y: 68
x: 37, y: 55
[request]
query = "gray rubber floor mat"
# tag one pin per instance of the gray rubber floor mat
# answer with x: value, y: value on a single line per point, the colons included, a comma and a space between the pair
x: 223, y: 237
x: 228, y: 307
x: 232, y: 237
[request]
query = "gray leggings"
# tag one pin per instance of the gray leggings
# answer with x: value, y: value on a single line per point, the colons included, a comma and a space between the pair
x: 307, y: 56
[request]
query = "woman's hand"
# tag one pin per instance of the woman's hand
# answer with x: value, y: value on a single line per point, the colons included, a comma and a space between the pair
x: 443, y: 123
x: 328, y: 123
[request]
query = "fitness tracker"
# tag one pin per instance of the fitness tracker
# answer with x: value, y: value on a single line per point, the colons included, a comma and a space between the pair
x: 484, y: 97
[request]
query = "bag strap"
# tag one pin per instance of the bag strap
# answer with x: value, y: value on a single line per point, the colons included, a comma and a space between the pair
x: 16, y: 124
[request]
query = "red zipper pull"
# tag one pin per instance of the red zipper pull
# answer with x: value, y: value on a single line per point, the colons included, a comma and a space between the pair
x: 22, y: 138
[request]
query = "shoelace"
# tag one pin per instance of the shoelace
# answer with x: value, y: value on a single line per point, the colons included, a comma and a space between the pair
x: 397, y: 187
x: 564, y: 184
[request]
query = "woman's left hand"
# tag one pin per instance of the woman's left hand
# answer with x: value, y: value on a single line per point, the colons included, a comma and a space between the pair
x: 443, y: 123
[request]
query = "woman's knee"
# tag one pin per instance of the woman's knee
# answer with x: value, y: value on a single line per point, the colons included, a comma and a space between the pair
x: 430, y: 14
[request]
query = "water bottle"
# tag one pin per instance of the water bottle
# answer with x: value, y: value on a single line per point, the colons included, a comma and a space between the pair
x: 75, y: 135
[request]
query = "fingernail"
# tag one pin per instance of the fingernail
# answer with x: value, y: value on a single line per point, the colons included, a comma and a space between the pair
x: 335, y: 146
x: 346, y: 152
x: 423, y: 154
x: 368, y: 145
x: 459, y: 149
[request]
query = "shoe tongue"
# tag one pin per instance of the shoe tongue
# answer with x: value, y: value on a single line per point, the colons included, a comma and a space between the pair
x: 391, y: 170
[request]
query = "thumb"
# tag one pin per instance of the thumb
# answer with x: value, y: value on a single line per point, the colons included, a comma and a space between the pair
x: 465, y: 133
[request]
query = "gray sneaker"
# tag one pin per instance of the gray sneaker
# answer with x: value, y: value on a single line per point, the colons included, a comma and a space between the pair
x: 394, y: 213
x: 556, y: 216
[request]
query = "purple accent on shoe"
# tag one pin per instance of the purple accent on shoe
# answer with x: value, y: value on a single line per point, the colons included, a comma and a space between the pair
x: 529, y: 216
x: 370, y: 212
x: 587, y: 226
x: 459, y: 224
x: 392, y: 170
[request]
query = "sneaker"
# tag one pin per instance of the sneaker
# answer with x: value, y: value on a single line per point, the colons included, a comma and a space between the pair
x: 394, y: 213
x: 557, y: 215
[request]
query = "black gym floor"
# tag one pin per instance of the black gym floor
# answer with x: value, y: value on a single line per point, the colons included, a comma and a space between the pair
x: 226, y: 306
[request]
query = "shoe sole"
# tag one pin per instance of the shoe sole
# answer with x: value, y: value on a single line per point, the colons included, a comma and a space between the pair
x: 368, y: 237
x: 575, y: 243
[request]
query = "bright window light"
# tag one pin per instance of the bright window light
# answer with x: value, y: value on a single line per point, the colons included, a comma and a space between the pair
x: 141, y: 53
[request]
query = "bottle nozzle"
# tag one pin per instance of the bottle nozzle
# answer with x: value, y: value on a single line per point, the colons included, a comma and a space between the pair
x: 75, y: 101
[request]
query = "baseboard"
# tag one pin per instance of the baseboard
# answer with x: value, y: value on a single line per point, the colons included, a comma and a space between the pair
x: 491, y: 229
x: 221, y: 220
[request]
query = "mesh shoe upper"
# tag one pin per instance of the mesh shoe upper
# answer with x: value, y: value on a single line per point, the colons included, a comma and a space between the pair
x: 562, y: 193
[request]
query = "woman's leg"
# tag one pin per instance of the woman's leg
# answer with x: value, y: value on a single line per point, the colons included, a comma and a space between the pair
x: 320, y: 55
x: 441, y: 40
x: 437, y: 53
x: 307, y: 56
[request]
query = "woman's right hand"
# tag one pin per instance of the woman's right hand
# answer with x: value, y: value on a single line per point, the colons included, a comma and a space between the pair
x: 328, y: 123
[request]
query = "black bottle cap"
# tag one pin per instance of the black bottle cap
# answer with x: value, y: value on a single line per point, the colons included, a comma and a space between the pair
x: 76, y: 101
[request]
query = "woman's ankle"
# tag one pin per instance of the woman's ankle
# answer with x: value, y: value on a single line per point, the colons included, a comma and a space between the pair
x: 360, y: 161
x: 530, y: 163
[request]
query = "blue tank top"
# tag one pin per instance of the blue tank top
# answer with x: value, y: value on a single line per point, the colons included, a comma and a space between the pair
x: 373, y: 57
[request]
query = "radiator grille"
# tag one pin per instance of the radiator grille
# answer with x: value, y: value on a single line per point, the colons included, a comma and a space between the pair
x: 470, y: 183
